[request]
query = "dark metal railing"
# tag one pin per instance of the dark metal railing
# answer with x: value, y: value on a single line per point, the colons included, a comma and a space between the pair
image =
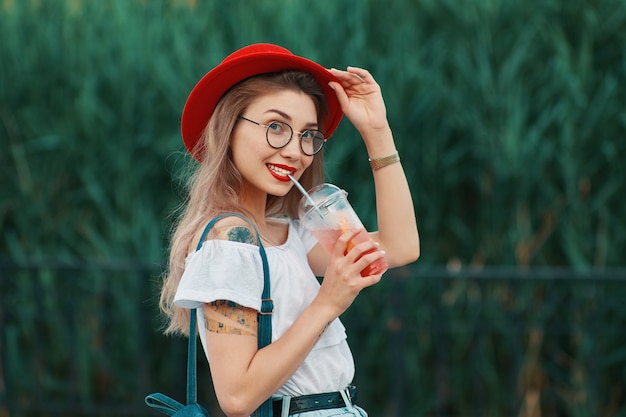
x: 82, y: 339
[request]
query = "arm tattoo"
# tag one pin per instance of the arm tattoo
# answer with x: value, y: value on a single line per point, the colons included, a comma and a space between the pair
x: 226, y: 317
x: 237, y: 234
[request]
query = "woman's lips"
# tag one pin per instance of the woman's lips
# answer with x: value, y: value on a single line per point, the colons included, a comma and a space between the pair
x: 280, y: 172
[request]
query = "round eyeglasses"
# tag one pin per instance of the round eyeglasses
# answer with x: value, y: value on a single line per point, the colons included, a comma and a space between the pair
x: 279, y: 134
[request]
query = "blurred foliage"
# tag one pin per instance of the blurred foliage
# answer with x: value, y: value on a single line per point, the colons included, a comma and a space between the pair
x: 510, y: 121
x: 507, y: 114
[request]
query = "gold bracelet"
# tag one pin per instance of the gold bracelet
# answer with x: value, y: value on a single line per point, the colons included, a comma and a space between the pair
x: 378, y: 163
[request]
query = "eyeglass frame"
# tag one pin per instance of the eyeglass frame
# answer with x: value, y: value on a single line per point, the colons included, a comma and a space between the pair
x: 267, y: 133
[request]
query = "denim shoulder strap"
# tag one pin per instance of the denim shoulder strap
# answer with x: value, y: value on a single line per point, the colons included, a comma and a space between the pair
x: 265, y: 315
x: 267, y: 305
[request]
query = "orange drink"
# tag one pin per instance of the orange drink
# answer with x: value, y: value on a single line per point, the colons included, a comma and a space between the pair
x: 328, y: 238
x: 327, y: 214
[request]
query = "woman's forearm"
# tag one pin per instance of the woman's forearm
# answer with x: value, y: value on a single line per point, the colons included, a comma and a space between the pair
x: 397, y: 226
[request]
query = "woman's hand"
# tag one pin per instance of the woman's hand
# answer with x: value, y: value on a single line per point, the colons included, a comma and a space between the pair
x: 343, y: 281
x: 361, y: 99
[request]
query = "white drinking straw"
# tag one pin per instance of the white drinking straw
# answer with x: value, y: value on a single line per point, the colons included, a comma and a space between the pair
x: 304, y: 193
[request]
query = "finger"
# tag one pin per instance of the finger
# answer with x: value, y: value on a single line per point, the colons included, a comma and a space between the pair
x: 370, y: 280
x: 341, y: 246
x: 342, y: 97
x: 369, y: 258
x: 351, y: 77
x: 360, y: 73
x: 362, y: 248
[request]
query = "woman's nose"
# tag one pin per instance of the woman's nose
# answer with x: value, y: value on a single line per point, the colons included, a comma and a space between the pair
x: 292, y: 149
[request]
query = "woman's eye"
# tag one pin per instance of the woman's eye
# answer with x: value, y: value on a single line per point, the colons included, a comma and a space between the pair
x: 313, y: 135
x: 275, y: 127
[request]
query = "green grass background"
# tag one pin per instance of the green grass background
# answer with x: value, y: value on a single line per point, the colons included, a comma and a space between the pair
x: 509, y: 116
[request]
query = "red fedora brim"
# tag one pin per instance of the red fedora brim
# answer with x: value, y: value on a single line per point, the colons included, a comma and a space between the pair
x: 244, y: 63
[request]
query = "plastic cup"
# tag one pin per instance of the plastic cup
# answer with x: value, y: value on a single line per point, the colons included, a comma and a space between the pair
x: 327, y: 214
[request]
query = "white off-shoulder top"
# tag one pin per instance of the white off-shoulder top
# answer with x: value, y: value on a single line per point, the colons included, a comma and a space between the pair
x: 227, y: 270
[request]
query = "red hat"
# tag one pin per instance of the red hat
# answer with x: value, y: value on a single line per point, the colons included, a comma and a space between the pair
x: 250, y: 60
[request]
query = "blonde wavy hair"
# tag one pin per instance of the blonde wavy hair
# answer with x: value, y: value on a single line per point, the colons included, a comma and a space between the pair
x: 215, y: 185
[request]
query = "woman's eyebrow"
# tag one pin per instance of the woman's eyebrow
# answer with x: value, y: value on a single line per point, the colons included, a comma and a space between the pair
x: 279, y: 112
x: 288, y: 118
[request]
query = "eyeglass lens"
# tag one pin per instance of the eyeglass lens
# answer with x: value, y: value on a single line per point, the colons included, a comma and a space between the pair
x: 279, y: 134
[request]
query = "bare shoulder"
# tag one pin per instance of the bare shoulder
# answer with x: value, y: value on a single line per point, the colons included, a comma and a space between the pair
x: 234, y: 229
x: 230, y: 228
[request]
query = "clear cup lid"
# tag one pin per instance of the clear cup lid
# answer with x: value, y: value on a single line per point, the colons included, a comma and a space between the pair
x: 319, y: 195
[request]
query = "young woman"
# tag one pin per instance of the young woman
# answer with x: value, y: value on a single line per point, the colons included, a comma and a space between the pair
x: 262, y: 114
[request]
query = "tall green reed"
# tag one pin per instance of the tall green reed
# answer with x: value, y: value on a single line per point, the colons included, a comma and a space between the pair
x: 507, y: 114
